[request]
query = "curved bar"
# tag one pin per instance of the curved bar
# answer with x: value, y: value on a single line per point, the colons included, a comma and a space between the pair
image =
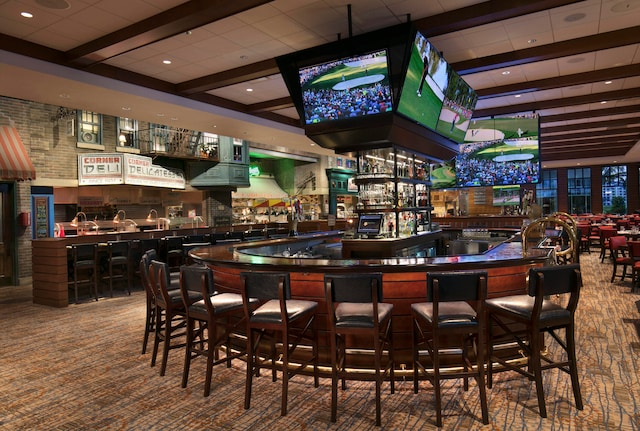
x: 404, y: 278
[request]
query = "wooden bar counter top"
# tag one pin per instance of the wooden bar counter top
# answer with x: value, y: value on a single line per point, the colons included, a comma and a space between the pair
x: 308, y: 257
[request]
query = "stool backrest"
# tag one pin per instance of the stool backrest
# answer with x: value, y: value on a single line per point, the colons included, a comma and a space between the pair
x: 355, y: 287
x: 554, y: 280
x: 266, y: 285
x: 456, y: 286
x: 191, y: 283
x: 118, y: 248
x: 84, y: 251
x: 159, y: 281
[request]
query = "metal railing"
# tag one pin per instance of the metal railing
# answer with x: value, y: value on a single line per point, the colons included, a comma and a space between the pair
x: 177, y: 142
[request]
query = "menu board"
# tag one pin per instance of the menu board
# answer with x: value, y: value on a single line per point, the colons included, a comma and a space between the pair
x: 41, y: 211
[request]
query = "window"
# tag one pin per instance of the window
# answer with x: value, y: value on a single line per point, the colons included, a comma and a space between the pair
x: 159, y: 138
x: 89, y: 129
x: 127, y: 131
x: 547, y: 191
x: 614, y: 189
x: 579, y: 190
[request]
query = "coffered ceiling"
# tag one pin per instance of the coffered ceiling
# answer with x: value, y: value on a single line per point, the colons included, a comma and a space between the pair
x: 209, y: 65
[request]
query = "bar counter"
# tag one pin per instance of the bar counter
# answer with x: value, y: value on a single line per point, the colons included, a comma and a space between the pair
x: 404, y: 278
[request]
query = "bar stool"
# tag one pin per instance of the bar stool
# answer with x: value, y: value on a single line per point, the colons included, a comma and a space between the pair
x: 170, y: 314
x: 536, y: 316
x: 212, y: 311
x: 173, y: 251
x: 276, y: 313
x: 84, y: 259
x: 455, y: 310
x: 119, y: 257
x: 151, y: 308
x: 355, y: 308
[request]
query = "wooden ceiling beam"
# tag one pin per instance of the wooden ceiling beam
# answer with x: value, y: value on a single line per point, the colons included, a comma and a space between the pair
x: 459, y: 19
x: 582, y: 45
x: 601, y: 75
x: 558, y: 103
x: 588, y: 115
x: 589, y: 125
x: 592, y: 134
x: 180, y: 19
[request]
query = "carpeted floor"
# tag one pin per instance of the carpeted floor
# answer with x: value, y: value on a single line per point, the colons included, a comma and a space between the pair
x: 80, y: 368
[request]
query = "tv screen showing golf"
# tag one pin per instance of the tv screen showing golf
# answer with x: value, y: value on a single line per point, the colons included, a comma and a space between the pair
x: 352, y: 87
x: 443, y: 175
x: 457, y: 108
x: 424, y: 84
x: 506, y: 195
x: 500, y: 151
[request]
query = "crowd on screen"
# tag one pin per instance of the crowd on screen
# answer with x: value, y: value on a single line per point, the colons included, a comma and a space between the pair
x: 471, y: 171
x: 322, y: 105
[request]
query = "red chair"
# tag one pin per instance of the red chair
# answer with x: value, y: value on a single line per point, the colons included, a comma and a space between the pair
x: 634, y: 254
x: 606, y: 232
x: 618, y: 247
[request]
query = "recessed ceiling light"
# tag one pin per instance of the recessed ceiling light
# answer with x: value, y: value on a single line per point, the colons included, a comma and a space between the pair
x: 64, y: 95
x: 160, y: 114
x: 532, y: 40
x: 608, y: 82
x: 126, y: 108
x: 166, y: 61
x: 575, y: 17
x: 249, y: 90
x: 603, y: 102
x: 506, y: 72
x: 26, y: 14
x: 174, y: 118
x: 625, y: 6
x: 518, y: 95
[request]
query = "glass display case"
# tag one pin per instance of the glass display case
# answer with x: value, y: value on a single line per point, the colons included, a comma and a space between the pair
x: 395, y: 182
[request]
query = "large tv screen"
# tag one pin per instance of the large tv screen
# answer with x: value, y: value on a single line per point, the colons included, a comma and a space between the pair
x: 423, y: 90
x: 457, y: 109
x: 500, y: 151
x: 443, y: 175
x: 506, y: 196
x: 347, y: 88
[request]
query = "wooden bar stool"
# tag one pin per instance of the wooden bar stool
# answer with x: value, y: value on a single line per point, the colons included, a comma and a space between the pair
x: 534, y: 316
x: 217, y: 315
x: 355, y: 308
x: 118, y: 259
x: 455, y: 310
x: 84, y: 261
x: 170, y: 326
x: 276, y: 314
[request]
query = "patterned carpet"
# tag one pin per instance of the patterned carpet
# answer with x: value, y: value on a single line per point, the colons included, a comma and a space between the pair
x: 80, y: 368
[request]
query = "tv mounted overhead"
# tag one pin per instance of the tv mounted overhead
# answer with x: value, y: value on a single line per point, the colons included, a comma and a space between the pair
x: 433, y: 94
x: 500, y: 151
x: 347, y: 88
x: 323, y: 81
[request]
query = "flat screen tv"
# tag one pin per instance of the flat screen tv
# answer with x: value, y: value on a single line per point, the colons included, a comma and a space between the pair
x: 443, y: 175
x: 506, y: 196
x: 369, y: 224
x: 348, y: 88
x: 457, y: 108
x: 500, y: 151
x: 424, y: 84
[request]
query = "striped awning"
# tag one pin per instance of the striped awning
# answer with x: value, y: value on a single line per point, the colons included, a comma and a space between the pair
x: 15, y: 163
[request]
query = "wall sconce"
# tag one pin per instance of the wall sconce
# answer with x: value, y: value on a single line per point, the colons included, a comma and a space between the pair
x: 150, y: 218
x: 117, y: 219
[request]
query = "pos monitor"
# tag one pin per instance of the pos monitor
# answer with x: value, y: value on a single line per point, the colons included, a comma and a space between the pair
x: 369, y: 225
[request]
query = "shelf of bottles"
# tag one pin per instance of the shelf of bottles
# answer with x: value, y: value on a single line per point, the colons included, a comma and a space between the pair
x: 396, y: 183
